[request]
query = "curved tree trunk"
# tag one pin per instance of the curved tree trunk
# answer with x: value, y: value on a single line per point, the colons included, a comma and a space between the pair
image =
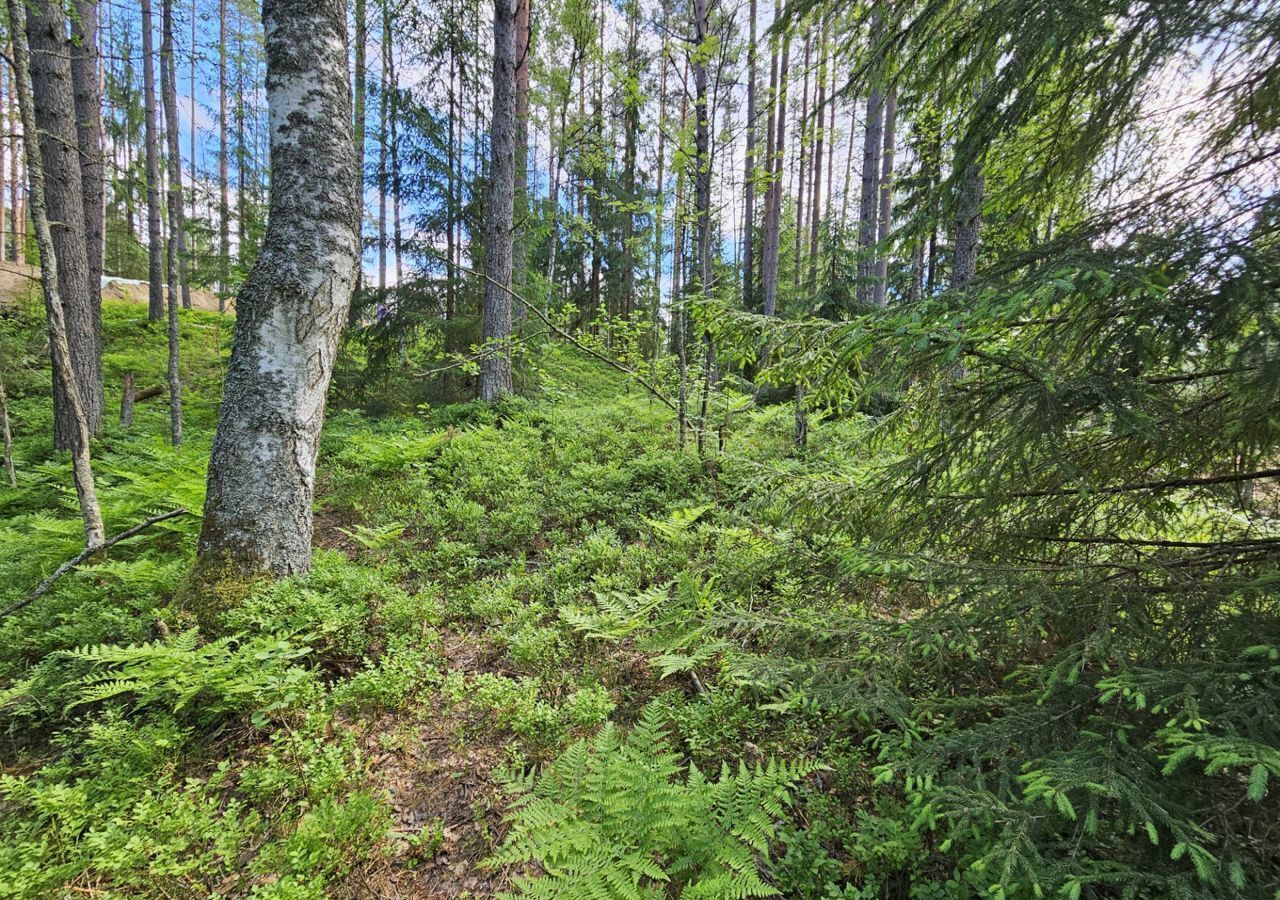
x: 55, y: 115
x: 291, y: 310
x: 495, y: 367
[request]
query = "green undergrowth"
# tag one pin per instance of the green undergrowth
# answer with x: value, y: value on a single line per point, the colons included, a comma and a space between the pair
x: 559, y: 579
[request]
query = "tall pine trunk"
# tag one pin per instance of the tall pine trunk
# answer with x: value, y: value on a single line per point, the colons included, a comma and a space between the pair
x: 155, y: 274
x: 773, y: 197
x: 495, y: 367
x: 25, y: 68
x: 88, y: 100
x: 81, y: 304
x: 815, y: 197
x: 749, y: 180
x: 224, y: 183
x: 519, y: 250
x: 293, y: 306
x: 881, y: 293
x: 177, y: 248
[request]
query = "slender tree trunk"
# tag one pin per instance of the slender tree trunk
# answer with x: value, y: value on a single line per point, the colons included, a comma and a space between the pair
x: 88, y: 100
x: 631, y: 130
x: 17, y: 223
x: 361, y: 38
x: 968, y: 225
x: 702, y: 190
x: 155, y: 275
x: 749, y: 180
x: 519, y: 249
x: 177, y: 247
x: 880, y: 295
x: 393, y: 114
x: 773, y: 199
x: 495, y: 367
x: 802, y: 126
x: 292, y: 308
x: 815, y: 198
x: 54, y: 101
x: 224, y: 182
x: 659, y: 214
x: 8, y: 438
x: 383, y: 135
x: 64, y: 369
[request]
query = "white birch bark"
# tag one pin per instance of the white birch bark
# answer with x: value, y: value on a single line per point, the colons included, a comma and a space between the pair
x: 292, y: 308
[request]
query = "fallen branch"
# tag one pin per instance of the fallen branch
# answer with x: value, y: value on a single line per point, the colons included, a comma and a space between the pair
x: 43, y: 587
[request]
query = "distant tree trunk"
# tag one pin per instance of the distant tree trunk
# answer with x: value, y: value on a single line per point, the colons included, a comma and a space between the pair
x: 177, y: 248
x: 17, y: 221
x: 871, y: 147
x: 81, y: 309
x: 293, y: 306
x: 679, y: 344
x: 773, y: 198
x: 880, y: 295
x: 393, y: 118
x: 659, y: 214
x: 815, y: 196
x: 702, y: 191
x: 631, y: 130
x: 495, y: 366
x: 361, y: 38
x: 224, y: 183
x: 968, y: 225
x: 8, y: 438
x: 519, y: 249
x: 128, y: 397
x: 802, y: 126
x: 155, y: 275
x: 88, y: 99
x: 60, y: 348
x: 383, y: 136
x: 749, y: 180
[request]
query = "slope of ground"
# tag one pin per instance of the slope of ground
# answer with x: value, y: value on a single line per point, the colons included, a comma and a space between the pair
x: 16, y: 279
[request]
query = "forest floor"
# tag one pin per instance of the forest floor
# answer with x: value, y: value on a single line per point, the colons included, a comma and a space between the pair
x: 491, y: 585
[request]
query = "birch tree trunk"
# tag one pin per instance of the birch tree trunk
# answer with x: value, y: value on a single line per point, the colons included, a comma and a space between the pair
x: 177, y: 247
x: 293, y: 306
x: 155, y: 276
x: 81, y: 468
x: 495, y: 367
x: 81, y: 305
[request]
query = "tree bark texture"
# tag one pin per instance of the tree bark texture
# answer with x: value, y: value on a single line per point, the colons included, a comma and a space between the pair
x: 495, y: 367
x: 155, y: 273
x: 177, y: 247
x: 81, y: 467
x: 292, y: 308
x: 88, y: 99
x: 81, y: 304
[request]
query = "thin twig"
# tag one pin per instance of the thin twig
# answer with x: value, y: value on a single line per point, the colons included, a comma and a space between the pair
x: 43, y: 587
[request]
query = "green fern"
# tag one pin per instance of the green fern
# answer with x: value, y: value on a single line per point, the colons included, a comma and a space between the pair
x: 619, y: 816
